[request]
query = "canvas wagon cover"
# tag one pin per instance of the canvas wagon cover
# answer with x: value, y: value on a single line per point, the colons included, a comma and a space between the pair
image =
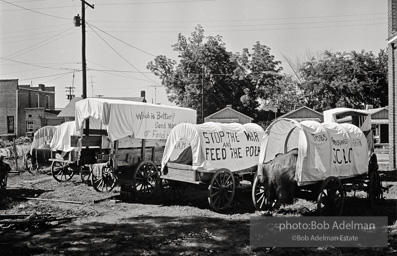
x: 42, y: 137
x: 328, y: 149
x: 127, y: 118
x: 61, y: 140
x: 216, y: 145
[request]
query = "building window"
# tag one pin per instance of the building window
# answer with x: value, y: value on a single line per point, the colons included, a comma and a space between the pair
x: 10, y: 124
x: 47, y: 102
x: 38, y: 100
x: 29, y: 126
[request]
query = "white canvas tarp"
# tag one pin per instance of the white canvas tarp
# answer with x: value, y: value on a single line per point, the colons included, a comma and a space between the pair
x: 128, y: 118
x: 216, y: 145
x: 61, y: 140
x: 328, y: 149
x: 42, y: 137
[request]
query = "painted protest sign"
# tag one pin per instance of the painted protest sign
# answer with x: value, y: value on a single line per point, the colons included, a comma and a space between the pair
x: 233, y: 147
x: 147, y: 121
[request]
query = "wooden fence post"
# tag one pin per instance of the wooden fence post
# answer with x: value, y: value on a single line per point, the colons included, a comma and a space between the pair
x: 16, y: 157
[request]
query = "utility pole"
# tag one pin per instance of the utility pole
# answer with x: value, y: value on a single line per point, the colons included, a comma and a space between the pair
x: 84, y: 64
x: 83, y: 3
x: 70, y: 91
x: 202, y: 96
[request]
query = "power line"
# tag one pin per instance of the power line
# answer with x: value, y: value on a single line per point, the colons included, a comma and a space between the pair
x: 31, y: 29
x: 121, y: 40
x: 129, y: 77
x: 40, y: 44
x: 249, y: 25
x: 62, y: 75
x: 31, y: 10
x: 141, y: 3
x: 252, y: 30
x: 46, y: 76
x: 157, y: 2
x: 122, y: 55
x: 243, y: 20
x: 110, y: 71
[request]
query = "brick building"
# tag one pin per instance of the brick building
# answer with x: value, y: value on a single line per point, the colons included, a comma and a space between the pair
x: 392, y: 78
x: 24, y: 109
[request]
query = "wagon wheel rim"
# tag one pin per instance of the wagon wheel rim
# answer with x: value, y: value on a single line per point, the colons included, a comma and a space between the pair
x: 375, y: 193
x: 145, y: 178
x: 105, y: 180
x: 172, y: 190
x: 331, y: 198
x: 259, y: 195
x: 62, y: 171
x: 29, y: 166
x: 221, y: 190
x: 85, y: 174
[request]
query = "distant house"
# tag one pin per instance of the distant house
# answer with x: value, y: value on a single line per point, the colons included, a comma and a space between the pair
x: 304, y: 113
x: 380, y: 124
x: 69, y: 111
x: 24, y: 109
x: 228, y: 115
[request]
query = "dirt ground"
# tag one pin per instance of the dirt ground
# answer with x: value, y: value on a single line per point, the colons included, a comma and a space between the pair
x: 101, y: 224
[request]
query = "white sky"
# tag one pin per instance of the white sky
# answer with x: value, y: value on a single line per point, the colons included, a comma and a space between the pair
x: 39, y: 43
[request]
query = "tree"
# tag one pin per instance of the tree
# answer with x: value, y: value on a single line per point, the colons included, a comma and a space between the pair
x: 207, y: 68
x: 352, y: 79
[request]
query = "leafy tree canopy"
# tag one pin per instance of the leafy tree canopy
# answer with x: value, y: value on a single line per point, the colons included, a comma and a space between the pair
x: 206, y: 68
x: 349, y: 79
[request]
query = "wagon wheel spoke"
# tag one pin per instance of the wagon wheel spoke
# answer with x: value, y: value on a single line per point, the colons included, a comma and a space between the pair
x: 260, y: 194
x: 221, y: 190
x: 61, y: 171
x: 330, y: 199
x: 374, y: 190
x: 172, y: 190
x: 104, y: 179
x: 145, y: 179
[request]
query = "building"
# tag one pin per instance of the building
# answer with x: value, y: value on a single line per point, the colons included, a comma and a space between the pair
x: 380, y: 125
x: 24, y: 109
x: 392, y: 78
x: 228, y: 115
x: 304, y: 113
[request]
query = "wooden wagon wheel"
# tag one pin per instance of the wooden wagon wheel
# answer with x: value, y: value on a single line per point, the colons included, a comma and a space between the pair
x: 104, y: 180
x: 62, y: 171
x: 221, y: 190
x: 172, y: 189
x: 31, y: 167
x: 145, y: 178
x: 260, y: 195
x: 331, y: 197
x: 85, y: 174
x: 374, y: 192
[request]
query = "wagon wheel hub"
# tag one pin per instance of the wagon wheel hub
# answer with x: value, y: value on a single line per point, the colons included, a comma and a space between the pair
x: 221, y: 190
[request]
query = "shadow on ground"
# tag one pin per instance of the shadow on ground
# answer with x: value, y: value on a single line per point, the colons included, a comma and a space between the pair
x: 144, y: 235
x: 11, y: 196
x: 197, y: 196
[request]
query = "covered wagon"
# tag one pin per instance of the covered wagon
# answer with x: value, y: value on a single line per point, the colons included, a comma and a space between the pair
x: 127, y: 137
x: 64, y: 156
x: 212, y: 153
x: 40, y: 148
x: 317, y: 157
